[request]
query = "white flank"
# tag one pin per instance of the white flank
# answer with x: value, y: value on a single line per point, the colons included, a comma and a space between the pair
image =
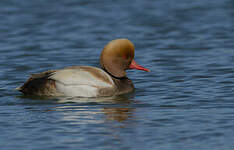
x: 79, y: 82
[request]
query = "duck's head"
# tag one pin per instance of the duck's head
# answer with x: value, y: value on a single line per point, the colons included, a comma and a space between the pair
x: 117, y: 56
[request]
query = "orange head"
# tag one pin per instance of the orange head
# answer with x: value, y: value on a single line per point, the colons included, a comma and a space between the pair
x: 117, y: 56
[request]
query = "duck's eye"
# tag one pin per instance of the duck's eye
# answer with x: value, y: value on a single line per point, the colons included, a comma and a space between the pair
x: 125, y: 57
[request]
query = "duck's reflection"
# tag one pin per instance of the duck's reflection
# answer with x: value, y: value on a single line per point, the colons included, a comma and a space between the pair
x: 118, y: 114
x: 91, y: 110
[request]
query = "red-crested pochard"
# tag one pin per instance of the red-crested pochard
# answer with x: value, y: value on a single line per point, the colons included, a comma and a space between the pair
x: 86, y: 81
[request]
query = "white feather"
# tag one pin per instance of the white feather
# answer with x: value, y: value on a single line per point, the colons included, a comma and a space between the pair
x: 79, y: 82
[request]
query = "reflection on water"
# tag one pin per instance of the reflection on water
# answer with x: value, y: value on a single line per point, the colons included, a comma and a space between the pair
x: 98, y: 100
x: 118, y: 114
x: 86, y: 110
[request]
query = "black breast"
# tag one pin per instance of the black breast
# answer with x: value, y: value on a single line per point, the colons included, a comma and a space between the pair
x: 123, y: 85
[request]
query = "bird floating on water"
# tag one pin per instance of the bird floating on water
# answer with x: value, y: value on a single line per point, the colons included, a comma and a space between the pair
x: 86, y: 81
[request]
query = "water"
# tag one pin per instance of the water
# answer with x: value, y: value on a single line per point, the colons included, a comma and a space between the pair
x: 185, y: 102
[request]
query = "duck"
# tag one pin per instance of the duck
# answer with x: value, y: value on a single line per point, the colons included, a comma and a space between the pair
x: 87, y: 81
